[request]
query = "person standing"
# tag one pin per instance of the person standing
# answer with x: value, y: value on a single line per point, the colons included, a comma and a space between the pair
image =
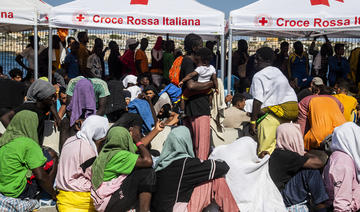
x: 168, y: 58
x: 114, y: 61
x: 157, y: 64
x: 83, y: 53
x: 71, y: 62
x: 28, y: 54
x: 274, y: 97
x: 94, y: 61
x: 128, y: 58
x: 298, y: 66
x: 282, y: 58
x: 339, y: 67
x: 141, y: 60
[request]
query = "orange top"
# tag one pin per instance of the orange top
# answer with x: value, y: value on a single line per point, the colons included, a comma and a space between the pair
x: 144, y: 63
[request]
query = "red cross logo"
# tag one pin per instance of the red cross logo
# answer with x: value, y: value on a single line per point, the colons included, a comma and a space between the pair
x: 323, y: 2
x: 80, y: 17
x: 263, y: 21
x: 143, y: 2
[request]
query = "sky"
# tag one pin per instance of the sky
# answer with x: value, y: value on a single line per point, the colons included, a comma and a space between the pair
x: 224, y: 5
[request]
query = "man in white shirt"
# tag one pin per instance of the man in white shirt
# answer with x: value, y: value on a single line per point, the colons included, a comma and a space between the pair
x: 28, y: 54
x: 275, y: 102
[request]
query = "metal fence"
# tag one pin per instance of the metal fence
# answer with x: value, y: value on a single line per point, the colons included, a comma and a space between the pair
x: 14, y: 43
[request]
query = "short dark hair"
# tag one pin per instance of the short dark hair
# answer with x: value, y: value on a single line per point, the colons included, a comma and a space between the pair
x: 128, y: 120
x: 15, y: 72
x: 283, y: 44
x: 81, y: 35
x: 242, y: 46
x: 205, y: 55
x: 298, y: 44
x: 266, y: 53
x: 238, y: 97
x: 325, y: 90
x: 338, y: 46
x: 62, y: 90
x: 69, y: 39
x: 343, y: 85
x: 191, y: 40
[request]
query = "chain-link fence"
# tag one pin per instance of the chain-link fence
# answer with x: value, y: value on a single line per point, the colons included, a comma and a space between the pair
x: 14, y: 43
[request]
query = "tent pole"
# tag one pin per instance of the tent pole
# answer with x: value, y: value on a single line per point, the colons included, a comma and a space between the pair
x: 217, y: 56
x: 222, y: 57
x: 50, y: 55
x: 36, y: 47
x: 229, y: 62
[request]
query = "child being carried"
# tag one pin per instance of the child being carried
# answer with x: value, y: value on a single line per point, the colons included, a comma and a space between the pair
x: 205, y: 73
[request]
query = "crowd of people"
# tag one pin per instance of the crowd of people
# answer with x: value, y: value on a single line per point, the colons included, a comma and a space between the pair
x: 298, y: 149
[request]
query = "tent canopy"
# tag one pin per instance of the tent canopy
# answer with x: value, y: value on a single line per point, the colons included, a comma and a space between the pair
x: 18, y: 15
x: 297, y: 18
x: 152, y: 16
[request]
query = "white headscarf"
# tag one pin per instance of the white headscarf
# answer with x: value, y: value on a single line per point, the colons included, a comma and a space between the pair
x: 134, y: 91
x: 248, y: 178
x: 346, y: 138
x: 163, y: 100
x: 129, y: 79
x: 93, y: 128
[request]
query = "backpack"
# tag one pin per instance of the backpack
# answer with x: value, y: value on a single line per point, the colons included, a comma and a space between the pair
x: 174, y: 72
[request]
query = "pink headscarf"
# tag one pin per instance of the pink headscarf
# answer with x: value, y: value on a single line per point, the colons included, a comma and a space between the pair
x: 289, y: 137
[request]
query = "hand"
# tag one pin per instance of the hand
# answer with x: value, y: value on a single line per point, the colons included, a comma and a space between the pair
x: 159, y: 126
x: 217, y: 91
x: 78, y: 124
x: 263, y: 153
x: 228, y: 98
x: 252, y: 129
x: 53, y: 154
x: 180, y: 84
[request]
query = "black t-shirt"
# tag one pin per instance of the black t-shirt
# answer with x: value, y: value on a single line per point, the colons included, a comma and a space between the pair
x: 41, y: 116
x: 12, y: 93
x: 304, y: 93
x: 283, y: 165
x: 197, y: 105
x: 195, y: 173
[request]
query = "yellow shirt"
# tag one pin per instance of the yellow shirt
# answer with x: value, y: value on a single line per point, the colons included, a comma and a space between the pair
x: 349, y: 104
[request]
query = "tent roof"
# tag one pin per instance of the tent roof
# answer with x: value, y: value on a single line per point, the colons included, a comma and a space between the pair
x: 153, y: 16
x: 297, y: 18
x: 18, y: 15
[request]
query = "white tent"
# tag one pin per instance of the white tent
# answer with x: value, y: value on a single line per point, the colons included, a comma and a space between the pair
x: 295, y: 18
x: 19, y: 15
x: 150, y: 16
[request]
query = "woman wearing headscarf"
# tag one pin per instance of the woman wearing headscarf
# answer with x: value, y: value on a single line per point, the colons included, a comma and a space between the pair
x: 157, y: 61
x: 178, y: 171
x: 324, y: 115
x: 294, y: 171
x: 152, y: 93
x: 120, y: 177
x: 41, y: 99
x: 342, y: 172
x: 73, y: 179
x: 130, y: 84
x: 248, y: 177
x: 19, y: 153
x: 82, y: 105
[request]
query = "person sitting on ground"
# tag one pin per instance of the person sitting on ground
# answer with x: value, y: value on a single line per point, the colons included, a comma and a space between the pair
x: 341, y: 174
x: 61, y: 102
x: 82, y: 105
x: 298, y: 66
x: 324, y: 115
x: 130, y: 84
x: 73, y: 179
x: 71, y: 63
x: 16, y: 74
x: 19, y: 153
x: 272, y: 95
x: 204, y: 73
x: 178, y: 171
x: 151, y: 92
x: 144, y: 80
x: 122, y: 179
x: 350, y: 103
x: 315, y: 87
x: 294, y: 171
x: 41, y: 98
x: 339, y: 66
x: 303, y: 117
x: 235, y: 116
x: 141, y: 60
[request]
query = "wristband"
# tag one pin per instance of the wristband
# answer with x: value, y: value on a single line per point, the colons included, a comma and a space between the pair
x: 139, y: 143
x: 253, y: 122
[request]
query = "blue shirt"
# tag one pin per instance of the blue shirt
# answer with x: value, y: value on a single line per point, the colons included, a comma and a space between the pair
x: 73, y: 66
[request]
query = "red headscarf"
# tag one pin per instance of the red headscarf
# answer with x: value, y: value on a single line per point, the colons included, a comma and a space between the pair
x: 158, y: 44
